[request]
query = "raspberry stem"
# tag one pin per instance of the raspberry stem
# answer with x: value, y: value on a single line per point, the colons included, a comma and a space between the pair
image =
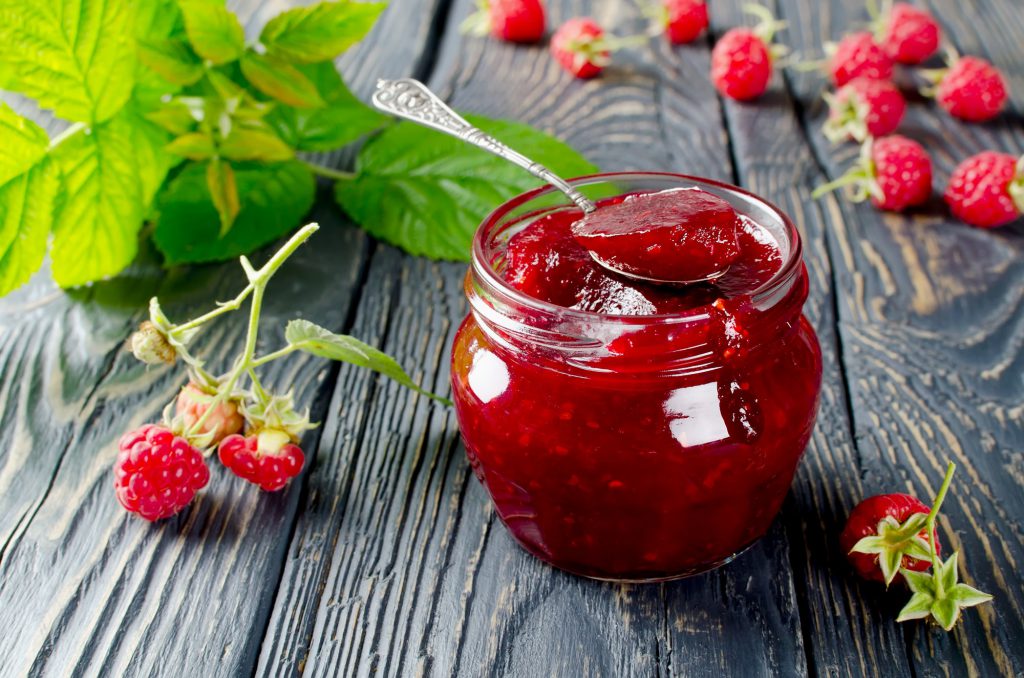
x: 256, y: 384
x: 257, y: 286
x: 279, y: 353
x: 934, y: 514
x: 221, y: 309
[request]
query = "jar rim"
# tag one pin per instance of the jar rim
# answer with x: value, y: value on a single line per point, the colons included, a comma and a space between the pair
x: 765, y: 294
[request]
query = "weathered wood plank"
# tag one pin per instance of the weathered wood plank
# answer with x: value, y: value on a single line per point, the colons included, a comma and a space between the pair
x: 85, y: 588
x: 930, y: 313
x: 409, y: 571
x: 842, y: 633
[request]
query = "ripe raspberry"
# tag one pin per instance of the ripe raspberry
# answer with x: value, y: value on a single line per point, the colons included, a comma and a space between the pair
x: 157, y: 473
x: 858, y: 55
x: 987, y: 190
x: 509, y: 20
x: 741, y: 61
x: 972, y: 89
x: 895, y: 172
x: 864, y: 107
x: 193, y: 402
x: 268, y: 459
x: 580, y: 47
x: 741, y: 65
x: 685, y: 20
x: 909, y: 34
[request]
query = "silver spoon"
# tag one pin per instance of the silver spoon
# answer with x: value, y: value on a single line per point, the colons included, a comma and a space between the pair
x: 411, y: 99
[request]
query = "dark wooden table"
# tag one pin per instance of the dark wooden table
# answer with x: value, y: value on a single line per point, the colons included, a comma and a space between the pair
x: 386, y: 558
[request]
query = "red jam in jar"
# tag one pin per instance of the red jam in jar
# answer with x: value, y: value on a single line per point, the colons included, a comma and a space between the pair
x: 631, y: 431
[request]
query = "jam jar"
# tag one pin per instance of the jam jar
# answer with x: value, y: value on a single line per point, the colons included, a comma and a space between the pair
x: 631, y: 442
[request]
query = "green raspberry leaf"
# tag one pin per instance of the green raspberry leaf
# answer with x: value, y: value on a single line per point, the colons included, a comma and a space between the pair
x: 172, y: 60
x: 342, y: 120
x: 318, y: 341
x: 223, y: 187
x: 319, y: 32
x: 26, y: 218
x: 214, y: 31
x: 103, y: 204
x: 273, y: 198
x: 158, y: 20
x: 173, y: 116
x: 194, y: 146
x: 151, y: 159
x: 25, y: 144
x: 255, y: 144
x: 76, y: 57
x: 427, y: 192
x: 155, y: 21
x: 279, y: 79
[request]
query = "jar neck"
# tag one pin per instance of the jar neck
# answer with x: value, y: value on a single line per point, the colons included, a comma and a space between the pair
x: 696, y: 340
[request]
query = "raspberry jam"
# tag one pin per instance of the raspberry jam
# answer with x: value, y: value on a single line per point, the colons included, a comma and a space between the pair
x: 630, y: 431
x: 683, y: 234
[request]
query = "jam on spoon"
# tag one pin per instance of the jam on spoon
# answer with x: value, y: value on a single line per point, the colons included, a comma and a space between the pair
x: 680, y: 235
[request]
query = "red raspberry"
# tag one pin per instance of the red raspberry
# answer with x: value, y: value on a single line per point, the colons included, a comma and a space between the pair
x: 894, y: 171
x: 903, y: 171
x: 864, y: 107
x: 685, y: 20
x: 268, y: 459
x: 972, y: 89
x: 579, y: 46
x: 873, y: 517
x: 157, y: 473
x: 987, y: 189
x: 509, y: 20
x: 909, y: 34
x: 858, y: 55
x: 741, y: 64
x: 193, y: 402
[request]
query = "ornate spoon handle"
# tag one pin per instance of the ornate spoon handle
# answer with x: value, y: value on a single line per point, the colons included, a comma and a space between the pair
x: 411, y: 99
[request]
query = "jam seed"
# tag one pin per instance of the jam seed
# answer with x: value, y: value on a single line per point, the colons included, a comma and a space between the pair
x: 615, y: 484
x: 560, y: 450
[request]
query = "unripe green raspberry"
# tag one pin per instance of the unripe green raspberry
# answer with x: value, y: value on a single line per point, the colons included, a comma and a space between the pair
x: 150, y: 345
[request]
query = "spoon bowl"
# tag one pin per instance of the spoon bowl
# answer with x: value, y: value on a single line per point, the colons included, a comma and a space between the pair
x: 608, y: 266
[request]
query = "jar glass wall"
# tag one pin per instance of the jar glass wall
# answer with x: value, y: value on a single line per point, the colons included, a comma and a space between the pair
x: 635, y: 448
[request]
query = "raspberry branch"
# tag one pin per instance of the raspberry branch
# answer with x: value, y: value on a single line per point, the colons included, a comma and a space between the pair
x: 161, y: 467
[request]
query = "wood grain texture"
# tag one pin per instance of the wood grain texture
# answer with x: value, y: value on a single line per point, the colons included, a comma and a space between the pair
x: 86, y: 589
x: 844, y: 633
x: 930, y: 316
x: 411, y: 574
x: 386, y: 558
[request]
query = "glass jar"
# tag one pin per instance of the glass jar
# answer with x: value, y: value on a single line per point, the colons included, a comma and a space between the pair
x: 635, y: 448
